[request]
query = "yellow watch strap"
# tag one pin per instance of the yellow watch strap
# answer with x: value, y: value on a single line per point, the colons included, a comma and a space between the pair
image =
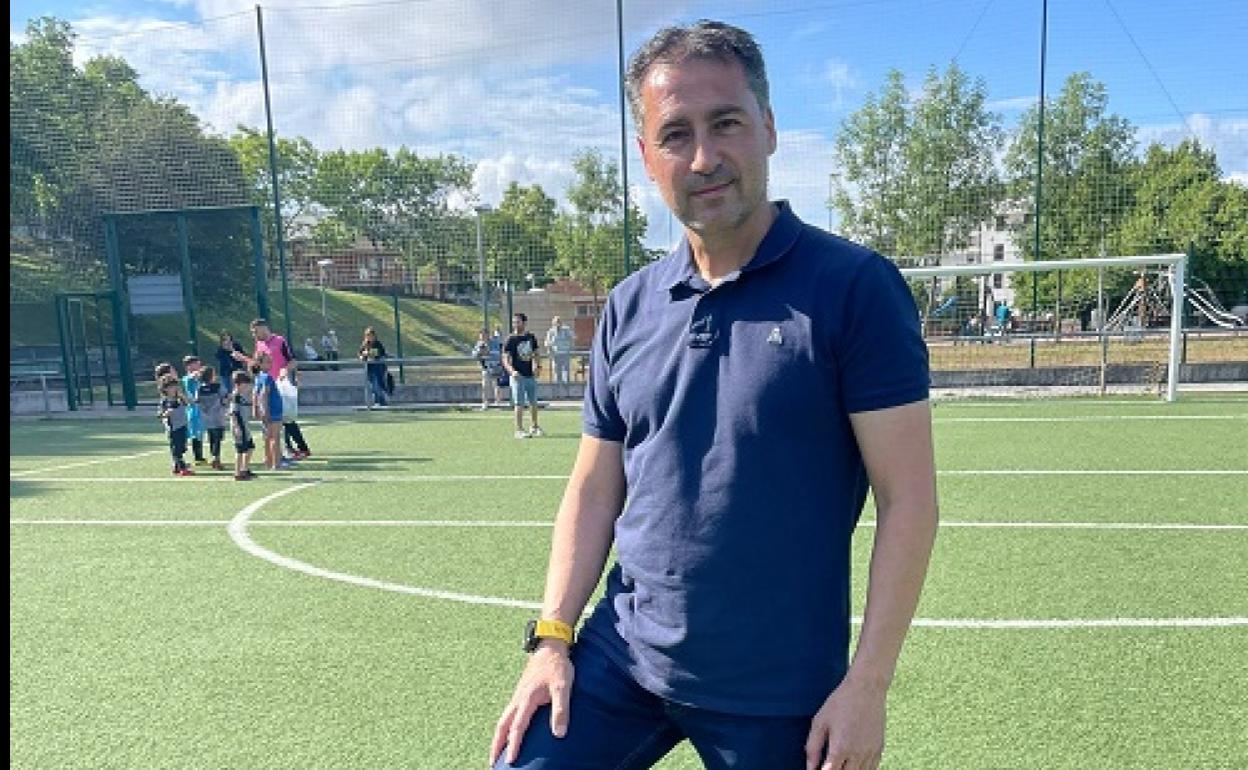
x: 553, y: 629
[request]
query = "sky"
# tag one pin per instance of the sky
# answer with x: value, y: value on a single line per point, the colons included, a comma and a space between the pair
x: 518, y: 86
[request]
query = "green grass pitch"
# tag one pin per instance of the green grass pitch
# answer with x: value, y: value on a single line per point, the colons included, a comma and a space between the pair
x: 141, y: 635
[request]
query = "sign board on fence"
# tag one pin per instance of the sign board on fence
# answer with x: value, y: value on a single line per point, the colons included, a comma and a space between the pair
x: 156, y: 294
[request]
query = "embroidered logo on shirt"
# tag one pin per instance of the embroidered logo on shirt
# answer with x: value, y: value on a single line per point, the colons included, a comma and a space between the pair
x: 775, y: 338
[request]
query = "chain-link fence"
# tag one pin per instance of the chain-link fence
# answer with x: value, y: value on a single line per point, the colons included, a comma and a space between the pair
x: 438, y: 163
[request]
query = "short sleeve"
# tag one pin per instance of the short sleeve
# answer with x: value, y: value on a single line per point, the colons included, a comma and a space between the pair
x: 600, y: 413
x: 882, y: 357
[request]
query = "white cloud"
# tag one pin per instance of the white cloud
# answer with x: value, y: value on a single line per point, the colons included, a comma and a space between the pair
x: 1015, y: 104
x: 1227, y: 137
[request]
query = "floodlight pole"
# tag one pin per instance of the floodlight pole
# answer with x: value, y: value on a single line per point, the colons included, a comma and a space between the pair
x: 619, y: 30
x: 277, y: 197
x: 1035, y: 286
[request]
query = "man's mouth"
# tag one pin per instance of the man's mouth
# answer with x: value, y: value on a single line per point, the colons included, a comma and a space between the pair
x: 711, y: 190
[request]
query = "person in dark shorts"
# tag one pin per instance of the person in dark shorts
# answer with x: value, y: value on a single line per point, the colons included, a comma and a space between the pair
x: 240, y: 411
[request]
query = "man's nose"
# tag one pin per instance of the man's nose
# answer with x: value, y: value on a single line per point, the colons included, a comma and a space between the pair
x: 705, y: 155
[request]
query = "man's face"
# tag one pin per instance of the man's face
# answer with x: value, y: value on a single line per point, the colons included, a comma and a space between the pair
x: 705, y: 142
x: 261, y: 333
x: 517, y: 323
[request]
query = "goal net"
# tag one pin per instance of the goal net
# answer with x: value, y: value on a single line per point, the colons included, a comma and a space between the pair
x: 1070, y: 326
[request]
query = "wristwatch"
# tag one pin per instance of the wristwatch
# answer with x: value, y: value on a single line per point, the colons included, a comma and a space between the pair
x: 537, y: 630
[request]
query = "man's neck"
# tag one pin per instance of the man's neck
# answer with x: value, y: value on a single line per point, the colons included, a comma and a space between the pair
x: 719, y: 254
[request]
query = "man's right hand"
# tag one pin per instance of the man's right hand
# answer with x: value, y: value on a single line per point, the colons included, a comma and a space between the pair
x: 547, y: 678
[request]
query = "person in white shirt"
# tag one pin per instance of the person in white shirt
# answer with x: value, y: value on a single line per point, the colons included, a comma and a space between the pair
x: 559, y: 342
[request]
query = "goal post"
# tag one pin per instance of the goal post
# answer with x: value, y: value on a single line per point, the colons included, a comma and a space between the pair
x: 1084, y: 323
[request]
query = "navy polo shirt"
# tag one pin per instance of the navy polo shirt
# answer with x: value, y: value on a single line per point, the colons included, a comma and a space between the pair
x: 745, y: 483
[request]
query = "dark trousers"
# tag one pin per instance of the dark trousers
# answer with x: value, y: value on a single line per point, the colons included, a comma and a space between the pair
x: 332, y: 355
x: 614, y: 723
x: 177, y: 447
x: 215, y: 435
x: 294, y: 436
x: 377, y: 382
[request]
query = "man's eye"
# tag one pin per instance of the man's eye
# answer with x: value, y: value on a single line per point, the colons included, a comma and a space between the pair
x: 673, y: 137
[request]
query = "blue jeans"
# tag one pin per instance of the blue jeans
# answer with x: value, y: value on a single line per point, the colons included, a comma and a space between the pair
x: 377, y: 382
x: 615, y: 724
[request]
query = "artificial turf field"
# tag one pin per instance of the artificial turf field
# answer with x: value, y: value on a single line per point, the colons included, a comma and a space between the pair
x: 1087, y: 605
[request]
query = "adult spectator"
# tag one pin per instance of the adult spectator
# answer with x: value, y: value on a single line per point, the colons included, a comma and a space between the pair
x: 744, y: 393
x: 230, y: 356
x: 523, y: 364
x: 329, y: 347
x: 373, y: 354
x: 559, y: 341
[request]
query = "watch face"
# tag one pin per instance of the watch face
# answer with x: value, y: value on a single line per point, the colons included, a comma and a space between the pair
x: 530, y: 641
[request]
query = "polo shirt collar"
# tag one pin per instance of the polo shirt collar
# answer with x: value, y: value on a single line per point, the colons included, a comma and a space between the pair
x: 678, y: 267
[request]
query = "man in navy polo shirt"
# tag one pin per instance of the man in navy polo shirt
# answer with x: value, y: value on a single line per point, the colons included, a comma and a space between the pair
x: 745, y: 392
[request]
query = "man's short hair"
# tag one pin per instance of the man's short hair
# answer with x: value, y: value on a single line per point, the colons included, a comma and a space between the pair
x: 521, y: 316
x: 258, y: 322
x: 240, y: 377
x: 704, y: 40
x: 188, y: 360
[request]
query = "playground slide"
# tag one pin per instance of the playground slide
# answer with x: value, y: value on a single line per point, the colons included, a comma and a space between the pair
x: 1206, y: 308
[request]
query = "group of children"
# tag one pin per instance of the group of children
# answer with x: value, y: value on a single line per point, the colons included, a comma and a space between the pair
x: 197, y: 403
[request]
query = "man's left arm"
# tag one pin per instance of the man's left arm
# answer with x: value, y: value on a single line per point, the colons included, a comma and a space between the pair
x: 896, y: 446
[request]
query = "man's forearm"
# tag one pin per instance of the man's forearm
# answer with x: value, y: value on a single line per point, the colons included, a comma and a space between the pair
x: 899, y: 559
x: 584, y: 530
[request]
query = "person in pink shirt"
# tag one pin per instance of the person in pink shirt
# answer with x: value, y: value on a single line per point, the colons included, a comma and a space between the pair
x: 274, y: 345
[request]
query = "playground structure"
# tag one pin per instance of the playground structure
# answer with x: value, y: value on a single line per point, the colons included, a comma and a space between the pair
x: 1149, y: 304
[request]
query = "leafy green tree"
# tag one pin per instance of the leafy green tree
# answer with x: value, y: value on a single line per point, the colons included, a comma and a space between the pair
x: 589, y: 239
x: 871, y: 154
x: 297, y: 162
x: 1182, y: 204
x: 400, y: 201
x: 918, y: 175
x: 89, y: 140
x: 520, y: 235
x: 950, y: 182
x: 1087, y: 184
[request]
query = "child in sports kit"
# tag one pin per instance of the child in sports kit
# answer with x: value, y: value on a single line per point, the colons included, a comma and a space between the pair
x: 213, y: 403
x: 194, y: 426
x: 172, y: 412
x: 240, y: 410
x: 267, y: 407
x: 288, y: 386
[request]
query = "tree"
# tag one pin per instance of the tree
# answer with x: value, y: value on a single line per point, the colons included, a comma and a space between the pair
x: 520, y: 240
x: 1086, y: 184
x: 918, y: 176
x: 297, y: 162
x: 870, y: 151
x: 400, y: 201
x: 91, y: 140
x: 589, y: 239
x: 1181, y: 204
x: 950, y: 181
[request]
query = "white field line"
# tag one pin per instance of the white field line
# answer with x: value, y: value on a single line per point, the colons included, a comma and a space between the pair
x: 238, y: 533
x: 313, y: 477
x: 237, y: 529
x: 537, y: 524
x: 1093, y: 418
x: 32, y: 471
x: 1076, y: 623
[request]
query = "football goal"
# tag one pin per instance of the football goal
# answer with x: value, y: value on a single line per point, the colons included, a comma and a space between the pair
x: 1082, y: 325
